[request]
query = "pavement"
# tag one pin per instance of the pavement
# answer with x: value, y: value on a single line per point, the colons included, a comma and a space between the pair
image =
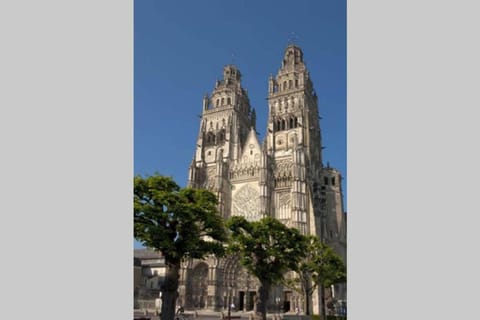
x: 191, y: 315
x: 205, y: 315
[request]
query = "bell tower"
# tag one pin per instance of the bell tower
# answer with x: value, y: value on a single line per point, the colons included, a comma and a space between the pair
x: 293, y: 107
x: 294, y: 142
x: 226, y: 121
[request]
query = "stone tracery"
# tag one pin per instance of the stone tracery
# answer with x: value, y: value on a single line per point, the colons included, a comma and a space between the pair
x: 248, y: 179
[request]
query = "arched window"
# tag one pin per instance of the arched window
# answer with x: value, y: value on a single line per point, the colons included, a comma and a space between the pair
x: 218, y: 102
x: 228, y: 101
x: 210, y: 138
x: 283, y: 124
x: 284, y: 85
x: 296, y: 83
x: 278, y: 125
x: 296, y: 122
x: 223, y: 101
x: 290, y: 84
x: 291, y: 123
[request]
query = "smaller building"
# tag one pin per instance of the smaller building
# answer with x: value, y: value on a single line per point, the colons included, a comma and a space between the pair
x: 149, y: 274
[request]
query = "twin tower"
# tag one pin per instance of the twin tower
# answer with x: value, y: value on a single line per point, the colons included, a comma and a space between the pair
x: 282, y: 177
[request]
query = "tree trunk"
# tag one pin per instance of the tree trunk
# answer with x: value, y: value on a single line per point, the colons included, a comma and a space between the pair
x: 169, y: 290
x: 307, y: 289
x: 263, y: 291
x: 306, y: 295
x: 322, y: 295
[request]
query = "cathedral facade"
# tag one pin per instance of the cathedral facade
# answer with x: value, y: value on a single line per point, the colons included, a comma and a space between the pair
x: 281, y: 176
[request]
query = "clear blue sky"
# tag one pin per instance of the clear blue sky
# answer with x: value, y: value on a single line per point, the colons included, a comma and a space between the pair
x: 180, y: 48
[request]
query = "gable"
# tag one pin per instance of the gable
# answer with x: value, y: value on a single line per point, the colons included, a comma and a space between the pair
x: 251, y: 149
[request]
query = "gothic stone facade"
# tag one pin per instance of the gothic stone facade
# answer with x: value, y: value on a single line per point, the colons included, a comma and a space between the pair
x: 283, y: 177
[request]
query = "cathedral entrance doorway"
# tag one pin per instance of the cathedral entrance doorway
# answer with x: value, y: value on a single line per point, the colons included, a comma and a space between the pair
x: 252, y: 298
x: 241, y: 297
x: 239, y: 285
x: 286, y: 301
x: 245, y: 300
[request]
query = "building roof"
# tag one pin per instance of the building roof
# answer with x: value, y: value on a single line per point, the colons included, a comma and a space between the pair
x: 146, y: 254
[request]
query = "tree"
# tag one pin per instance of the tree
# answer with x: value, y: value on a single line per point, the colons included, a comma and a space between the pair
x: 319, y: 266
x: 267, y: 249
x: 180, y: 223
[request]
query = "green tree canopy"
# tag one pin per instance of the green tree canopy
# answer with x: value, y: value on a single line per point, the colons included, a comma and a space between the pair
x: 267, y: 249
x: 319, y: 265
x: 179, y: 223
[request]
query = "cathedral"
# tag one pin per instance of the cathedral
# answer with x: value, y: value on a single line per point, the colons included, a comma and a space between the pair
x: 282, y: 176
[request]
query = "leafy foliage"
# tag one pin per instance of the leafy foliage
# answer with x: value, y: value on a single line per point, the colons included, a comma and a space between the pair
x: 178, y: 222
x: 319, y: 266
x: 267, y: 248
x: 323, y: 263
